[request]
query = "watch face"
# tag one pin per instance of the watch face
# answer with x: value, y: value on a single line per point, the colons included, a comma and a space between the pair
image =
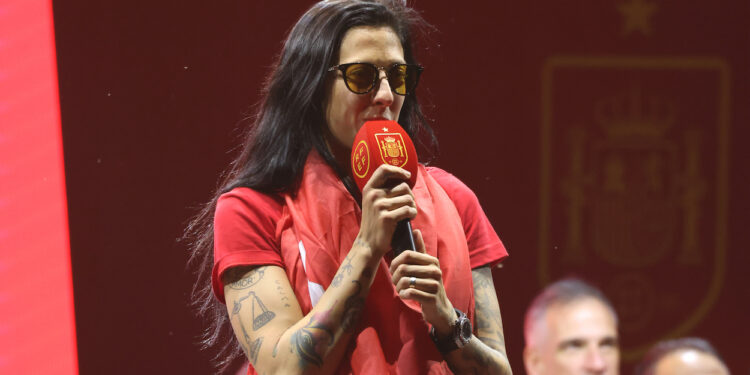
x: 465, y: 330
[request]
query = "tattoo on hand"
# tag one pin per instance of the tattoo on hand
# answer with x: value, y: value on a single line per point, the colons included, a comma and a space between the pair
x: 251, y: 279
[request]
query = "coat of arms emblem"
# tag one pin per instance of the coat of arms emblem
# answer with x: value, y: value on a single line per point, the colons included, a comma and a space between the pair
x: 392, y: 149
x: 635, y: 195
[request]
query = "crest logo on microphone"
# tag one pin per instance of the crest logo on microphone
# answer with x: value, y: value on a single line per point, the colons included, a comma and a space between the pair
x: 392, y: 149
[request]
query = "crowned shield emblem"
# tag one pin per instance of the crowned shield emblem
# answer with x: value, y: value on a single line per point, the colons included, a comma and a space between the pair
x: 634, y: 186
x: 392, y: 148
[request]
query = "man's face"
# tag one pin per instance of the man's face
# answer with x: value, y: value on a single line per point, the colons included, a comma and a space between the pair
x: 686, y: 362
x: 577, y: 338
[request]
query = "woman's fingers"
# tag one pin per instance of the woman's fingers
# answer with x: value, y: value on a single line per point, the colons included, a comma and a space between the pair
x: 408, y: 258
x: 418, y: 271
x: 383, y: 205
x: 386, y: 173
x: 424, y: 297
x: 422, y: 284
x: 397, y: 189
x: 391, y: 204
x: 418, y: 277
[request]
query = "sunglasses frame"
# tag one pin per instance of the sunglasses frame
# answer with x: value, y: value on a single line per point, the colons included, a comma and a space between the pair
x: 342, y: 67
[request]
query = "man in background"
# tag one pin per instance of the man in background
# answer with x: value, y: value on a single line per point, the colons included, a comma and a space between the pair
x: 571, y: 328
x: 686, y: 356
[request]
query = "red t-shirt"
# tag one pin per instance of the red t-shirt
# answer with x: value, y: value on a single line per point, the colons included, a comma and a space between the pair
x: 245, y: 228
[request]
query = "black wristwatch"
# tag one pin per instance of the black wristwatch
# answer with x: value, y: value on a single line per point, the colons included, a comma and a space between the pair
x: 462, y: 331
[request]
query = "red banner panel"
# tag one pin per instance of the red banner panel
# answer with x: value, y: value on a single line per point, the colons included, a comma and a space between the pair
x: 37, y: 327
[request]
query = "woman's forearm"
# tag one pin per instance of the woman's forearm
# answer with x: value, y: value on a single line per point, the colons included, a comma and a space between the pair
x: 485, y: 352
x: 478, y: 358
x: 316, y: 343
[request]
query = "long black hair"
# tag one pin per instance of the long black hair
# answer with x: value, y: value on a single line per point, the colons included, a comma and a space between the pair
x: 289, y: 123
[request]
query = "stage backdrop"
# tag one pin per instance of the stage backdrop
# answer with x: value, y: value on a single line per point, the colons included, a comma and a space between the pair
x: 605, y: 139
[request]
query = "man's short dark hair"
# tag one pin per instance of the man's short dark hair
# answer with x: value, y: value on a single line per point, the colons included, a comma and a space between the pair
x: 664, y: 348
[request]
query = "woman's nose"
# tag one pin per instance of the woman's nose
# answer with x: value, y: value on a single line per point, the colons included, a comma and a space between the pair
x: 383, y: 94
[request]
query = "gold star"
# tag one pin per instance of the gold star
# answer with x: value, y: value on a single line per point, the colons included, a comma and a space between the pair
x: 385, y: 129
x: 637, y: 15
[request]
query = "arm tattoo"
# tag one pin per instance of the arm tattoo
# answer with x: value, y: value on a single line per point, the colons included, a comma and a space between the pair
x: 276, y: 348
x: 353, y: 308
x: 346, y: 268
x: 485, y: 327
x: 483, y: 359
x: 282, y: 293
x: 261, y: 316
x: 251, y: 279
x: 310, y: 341
x: 235, y: 311
x: 489, y: 323
x: 254, y: 349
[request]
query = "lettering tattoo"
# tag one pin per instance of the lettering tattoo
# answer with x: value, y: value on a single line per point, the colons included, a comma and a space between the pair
x: 311, y: 340
x: 353, y: 307
x: 251, y: 279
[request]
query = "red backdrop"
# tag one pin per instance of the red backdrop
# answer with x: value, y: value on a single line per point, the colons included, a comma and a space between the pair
x: 603, y: 138
x: 36, y: 289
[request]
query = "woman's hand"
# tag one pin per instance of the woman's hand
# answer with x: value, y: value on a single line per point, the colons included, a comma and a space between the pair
x: 485, y: 351
x: 384, y: 204
x: 418, y: 277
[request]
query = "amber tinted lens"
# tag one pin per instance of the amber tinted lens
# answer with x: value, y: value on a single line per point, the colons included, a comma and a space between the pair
x: 360, y: 78
x: 398, y: 78
x: 412, y: 78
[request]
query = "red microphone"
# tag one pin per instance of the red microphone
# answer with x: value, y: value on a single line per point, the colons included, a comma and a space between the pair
x: 386, y: 142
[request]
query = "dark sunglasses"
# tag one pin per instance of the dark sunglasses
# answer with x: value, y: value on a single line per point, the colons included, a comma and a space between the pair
x: 362, y: 77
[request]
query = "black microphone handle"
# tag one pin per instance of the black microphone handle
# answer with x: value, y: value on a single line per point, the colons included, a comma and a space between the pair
x: 403, y: 238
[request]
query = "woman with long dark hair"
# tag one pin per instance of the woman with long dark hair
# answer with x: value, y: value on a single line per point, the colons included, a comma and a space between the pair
x: 295, y: 268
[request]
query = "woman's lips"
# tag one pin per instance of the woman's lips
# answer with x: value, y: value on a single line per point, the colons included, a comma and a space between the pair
x: 380, y: 118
